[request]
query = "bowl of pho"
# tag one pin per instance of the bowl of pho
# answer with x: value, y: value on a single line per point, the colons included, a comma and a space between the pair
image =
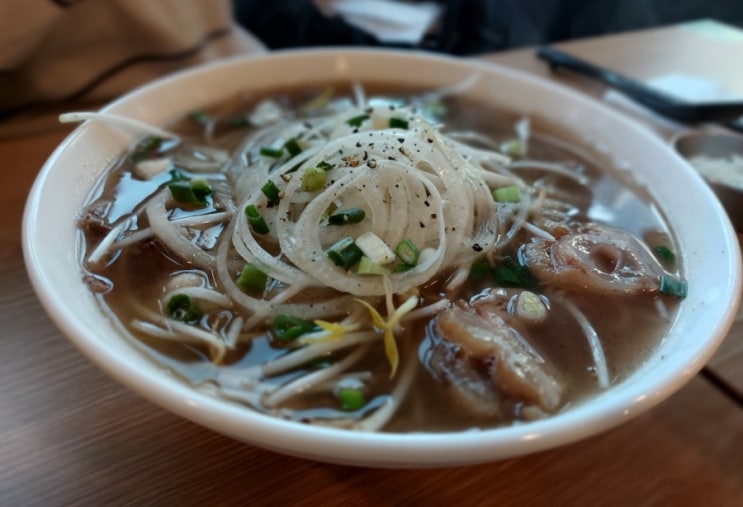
x: 381, y: 258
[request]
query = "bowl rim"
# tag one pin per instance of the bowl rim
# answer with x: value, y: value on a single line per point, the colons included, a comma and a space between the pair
x: 328, y: 444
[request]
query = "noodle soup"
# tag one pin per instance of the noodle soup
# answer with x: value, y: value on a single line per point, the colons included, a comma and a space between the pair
x: 381, y: 261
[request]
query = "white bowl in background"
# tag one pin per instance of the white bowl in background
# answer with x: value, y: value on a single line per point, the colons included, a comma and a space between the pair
x: 717, y: 155
x: 705, y: 237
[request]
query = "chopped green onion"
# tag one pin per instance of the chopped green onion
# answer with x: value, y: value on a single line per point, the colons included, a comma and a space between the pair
x: 325, y: 166
x: 253, y: 278
x: 369, y: 267
x: 326, y: 214
x: 181, y: 192
x: 286, y: 328
x: 190, y: 192
x: 271, y: 191
x: 201, y: 188
x: 407, y: 252
x: 319, y: 363
x: 356, y: 121
x: 267, y: 151
x: 319, y: 100
x: 181, y: 307
x: 507, y: 194
x: 150, y: 144
x: 256, y: 220
x: 293, y: 147
x: 513, y: 148
x: 479, y: 270
x: 665, y: 255
x: 314, y: 178
x: 398, y: 123
x: 530, y: 308
x: 350, y: 398
x: 345, y: 253
x: 436, y: 109
x: 239, y: 121
x: 200, y: 117
x: 177, y: 175
x: 672, y: 286
x: 347, y: 216
x: 375, y: 248
x: 509, y: 273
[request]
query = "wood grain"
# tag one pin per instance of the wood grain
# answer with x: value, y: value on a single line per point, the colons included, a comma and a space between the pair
x: 69, y: 435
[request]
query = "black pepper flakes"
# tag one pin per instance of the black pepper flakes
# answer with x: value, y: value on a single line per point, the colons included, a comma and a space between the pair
x: 476, y: 247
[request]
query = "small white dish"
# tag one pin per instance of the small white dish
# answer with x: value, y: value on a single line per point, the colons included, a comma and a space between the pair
x: 718, y: 156
x: 706, y: 240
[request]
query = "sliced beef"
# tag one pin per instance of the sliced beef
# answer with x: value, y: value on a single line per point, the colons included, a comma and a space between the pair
x: 481, y: 352
x: 594, y: 258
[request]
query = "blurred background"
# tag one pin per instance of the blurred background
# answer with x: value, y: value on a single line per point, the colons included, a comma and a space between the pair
x: 61, y: 55
x: 466, y: 27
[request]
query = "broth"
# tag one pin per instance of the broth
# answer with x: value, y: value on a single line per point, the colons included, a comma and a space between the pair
x: 437, y: 384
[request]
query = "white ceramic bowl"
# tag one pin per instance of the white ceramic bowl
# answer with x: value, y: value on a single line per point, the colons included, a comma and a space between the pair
x: 709, y: 245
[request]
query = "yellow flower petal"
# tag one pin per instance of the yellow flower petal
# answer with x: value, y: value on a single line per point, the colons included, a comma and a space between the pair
x: 388, y: 327
x: 331, y: 331
x: 390, y: 350
x: 376, y: 318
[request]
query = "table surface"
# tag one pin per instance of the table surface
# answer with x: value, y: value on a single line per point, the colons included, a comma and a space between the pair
x: 69, y: 435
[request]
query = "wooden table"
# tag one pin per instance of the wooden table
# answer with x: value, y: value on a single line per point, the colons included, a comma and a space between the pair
x: 69, y: 435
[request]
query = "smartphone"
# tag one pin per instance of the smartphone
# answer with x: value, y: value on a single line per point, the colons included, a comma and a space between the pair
x: 729, y: 112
